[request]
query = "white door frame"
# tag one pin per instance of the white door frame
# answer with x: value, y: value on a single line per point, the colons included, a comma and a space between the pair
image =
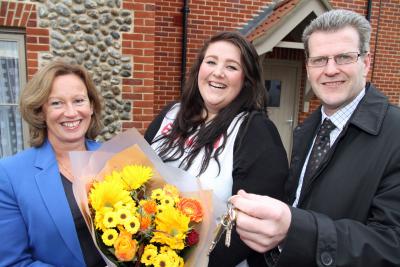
x: 299, y: 67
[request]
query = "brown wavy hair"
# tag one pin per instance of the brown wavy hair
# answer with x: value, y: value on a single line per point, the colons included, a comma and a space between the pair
x: 37, y: 91
x: 190, y: 117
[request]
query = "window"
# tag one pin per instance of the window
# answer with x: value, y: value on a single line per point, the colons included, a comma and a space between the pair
x: 12, y: 79
x: 274, y: 92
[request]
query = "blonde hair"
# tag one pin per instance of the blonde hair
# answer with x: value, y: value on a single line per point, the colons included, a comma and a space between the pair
x: 37, y: 91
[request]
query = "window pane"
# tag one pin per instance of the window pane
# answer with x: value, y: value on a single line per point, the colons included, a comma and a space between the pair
x: 274, y: 92
x: 10, y: 119
x: 10, y: 131
x: 9, y: 80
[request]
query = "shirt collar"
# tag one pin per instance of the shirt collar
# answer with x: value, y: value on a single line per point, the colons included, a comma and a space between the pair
x: 342, y: 116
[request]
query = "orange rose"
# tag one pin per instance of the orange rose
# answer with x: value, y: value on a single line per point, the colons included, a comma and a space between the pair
x: 125, y: 247
x: 191, y: 208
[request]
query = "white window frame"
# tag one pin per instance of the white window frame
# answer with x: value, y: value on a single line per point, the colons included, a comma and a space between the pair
x: 19, y: 38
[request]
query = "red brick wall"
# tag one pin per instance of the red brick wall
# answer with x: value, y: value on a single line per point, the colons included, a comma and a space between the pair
x: 155, y: 44
x: 206, y: 18
x: 23, y: 16
x: 209, y: 17
x: 140, y: 44
x: 139, y: 88
x: 385, y: 68
x: 168, y: 49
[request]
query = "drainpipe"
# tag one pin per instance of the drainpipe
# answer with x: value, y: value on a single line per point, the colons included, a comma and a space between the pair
x: 369, y: 10
x: 185, y: 12
x: 376, y: 38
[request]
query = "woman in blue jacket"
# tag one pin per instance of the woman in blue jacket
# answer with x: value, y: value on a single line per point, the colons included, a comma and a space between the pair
x: 40, y: 222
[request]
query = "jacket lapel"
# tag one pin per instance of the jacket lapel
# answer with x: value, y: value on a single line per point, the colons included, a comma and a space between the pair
x: 50, y: 186
x: 302, y: 139
x: 368, y: 116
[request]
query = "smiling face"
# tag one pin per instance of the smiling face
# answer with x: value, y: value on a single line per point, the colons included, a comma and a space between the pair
x: 337, y: 85
x: 221, y: 76
x: 67, y: 111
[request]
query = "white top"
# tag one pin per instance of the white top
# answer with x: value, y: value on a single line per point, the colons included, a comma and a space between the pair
x: 220, y: 183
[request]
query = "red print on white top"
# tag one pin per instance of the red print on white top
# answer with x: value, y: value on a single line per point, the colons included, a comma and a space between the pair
x: 166, y: 128
x: 189, y: 142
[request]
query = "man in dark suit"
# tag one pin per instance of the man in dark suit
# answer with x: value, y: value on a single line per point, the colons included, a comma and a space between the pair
x: 344, y: 184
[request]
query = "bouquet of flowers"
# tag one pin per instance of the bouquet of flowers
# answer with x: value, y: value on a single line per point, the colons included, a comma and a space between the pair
x: 138, y: 217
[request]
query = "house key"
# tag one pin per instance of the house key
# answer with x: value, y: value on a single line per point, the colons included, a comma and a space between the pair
x: 218, y: 232
x: 224, y: 226
x: 231, y: 222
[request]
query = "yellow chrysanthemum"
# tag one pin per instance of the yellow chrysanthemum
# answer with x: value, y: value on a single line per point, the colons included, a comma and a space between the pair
x: 171, y: 191
x: 134, y: 176
x: 149, y: 255
x: 110, y: 219
x: 128, y: 205
x: 123, y: 215
x: 99, y: 218
x: 157, y: 194
x: 167, y: 200
x: 107, y: 194
x: 151, y: 246
x: 109, y: 236
x: 171, y: 226
x: 163, y: 260
x: 181, y: 263
x: 164, y: 249
x: 132, y: 225
x: 160, y: 208
x: 175, y: 259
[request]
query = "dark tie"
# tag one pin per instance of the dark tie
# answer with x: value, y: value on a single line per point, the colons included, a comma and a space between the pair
x: 320, y: 148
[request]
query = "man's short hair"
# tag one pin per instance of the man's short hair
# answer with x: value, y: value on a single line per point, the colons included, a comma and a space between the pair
x: 338, y: 19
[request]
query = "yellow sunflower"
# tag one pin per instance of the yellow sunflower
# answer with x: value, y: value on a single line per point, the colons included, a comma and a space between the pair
x: 171, y: 228
x: 115, y: 177
x: 107, y: 194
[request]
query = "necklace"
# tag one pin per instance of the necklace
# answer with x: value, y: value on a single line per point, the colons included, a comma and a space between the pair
x: 69, y: 175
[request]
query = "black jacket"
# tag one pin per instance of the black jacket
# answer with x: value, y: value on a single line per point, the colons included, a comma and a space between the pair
x: 260, y: 167
x: 349, y: 214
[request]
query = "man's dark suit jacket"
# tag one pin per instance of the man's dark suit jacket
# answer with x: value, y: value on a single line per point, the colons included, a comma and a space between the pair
x: 349, y: 211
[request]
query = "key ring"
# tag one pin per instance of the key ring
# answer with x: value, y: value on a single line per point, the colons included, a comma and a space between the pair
x: 232, y: 212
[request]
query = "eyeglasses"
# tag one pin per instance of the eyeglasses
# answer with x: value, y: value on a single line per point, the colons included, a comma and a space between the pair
x: 340, y: 59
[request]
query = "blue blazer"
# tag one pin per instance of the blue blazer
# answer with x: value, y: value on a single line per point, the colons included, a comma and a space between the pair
x: 36, y: 223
